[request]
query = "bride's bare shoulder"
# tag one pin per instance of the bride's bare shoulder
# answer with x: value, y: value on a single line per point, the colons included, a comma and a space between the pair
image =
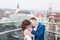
x: 25, y: 32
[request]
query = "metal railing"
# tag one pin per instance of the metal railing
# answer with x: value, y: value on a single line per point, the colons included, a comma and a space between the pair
x: 20, y: 28
x: 5, y: 32
x: 9, y: 31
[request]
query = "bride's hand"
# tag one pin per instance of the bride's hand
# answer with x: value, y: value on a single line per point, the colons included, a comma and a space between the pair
x: 31, y: 34
x: 25, y: 38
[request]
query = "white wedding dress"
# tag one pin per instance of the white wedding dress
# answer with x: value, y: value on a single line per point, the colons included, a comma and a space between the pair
x: 28, y: 37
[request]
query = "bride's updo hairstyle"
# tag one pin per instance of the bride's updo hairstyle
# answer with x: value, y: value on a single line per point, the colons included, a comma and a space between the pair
x: 24, y: 24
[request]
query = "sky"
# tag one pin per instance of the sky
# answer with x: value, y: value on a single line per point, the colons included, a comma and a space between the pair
x: 30, y: 4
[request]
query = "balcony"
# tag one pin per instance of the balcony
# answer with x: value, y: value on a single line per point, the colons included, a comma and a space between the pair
x: 12, y: 31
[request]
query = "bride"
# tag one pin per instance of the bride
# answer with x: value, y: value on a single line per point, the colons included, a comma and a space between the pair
x: 25, y: 25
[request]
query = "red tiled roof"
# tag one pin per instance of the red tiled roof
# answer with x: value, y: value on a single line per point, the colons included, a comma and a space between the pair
x: 39, y: 14
x: 56, y: 16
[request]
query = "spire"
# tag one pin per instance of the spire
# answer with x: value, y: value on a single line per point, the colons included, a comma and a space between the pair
x: 18, y: 9
x: 17, y: 5
x: 50, y: 8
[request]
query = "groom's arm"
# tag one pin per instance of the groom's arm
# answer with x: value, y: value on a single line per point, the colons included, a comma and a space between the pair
x: 41, y: 31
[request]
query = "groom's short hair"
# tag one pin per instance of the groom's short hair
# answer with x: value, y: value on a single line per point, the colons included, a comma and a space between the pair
x: 33, y: 18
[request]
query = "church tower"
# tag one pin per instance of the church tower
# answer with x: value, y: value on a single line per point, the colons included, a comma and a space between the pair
x: 17, y: 9
x: 50, y: 8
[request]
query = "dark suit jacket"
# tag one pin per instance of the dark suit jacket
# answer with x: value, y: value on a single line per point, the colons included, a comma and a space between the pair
x: 39, y: 33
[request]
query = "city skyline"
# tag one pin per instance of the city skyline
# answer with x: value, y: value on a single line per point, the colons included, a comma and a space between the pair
x: 30, y: 4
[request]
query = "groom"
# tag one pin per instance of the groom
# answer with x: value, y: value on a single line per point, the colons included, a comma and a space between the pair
x: 38, y: 29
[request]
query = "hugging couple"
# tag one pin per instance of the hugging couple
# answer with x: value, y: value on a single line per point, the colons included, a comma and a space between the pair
x: 32, y: 29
